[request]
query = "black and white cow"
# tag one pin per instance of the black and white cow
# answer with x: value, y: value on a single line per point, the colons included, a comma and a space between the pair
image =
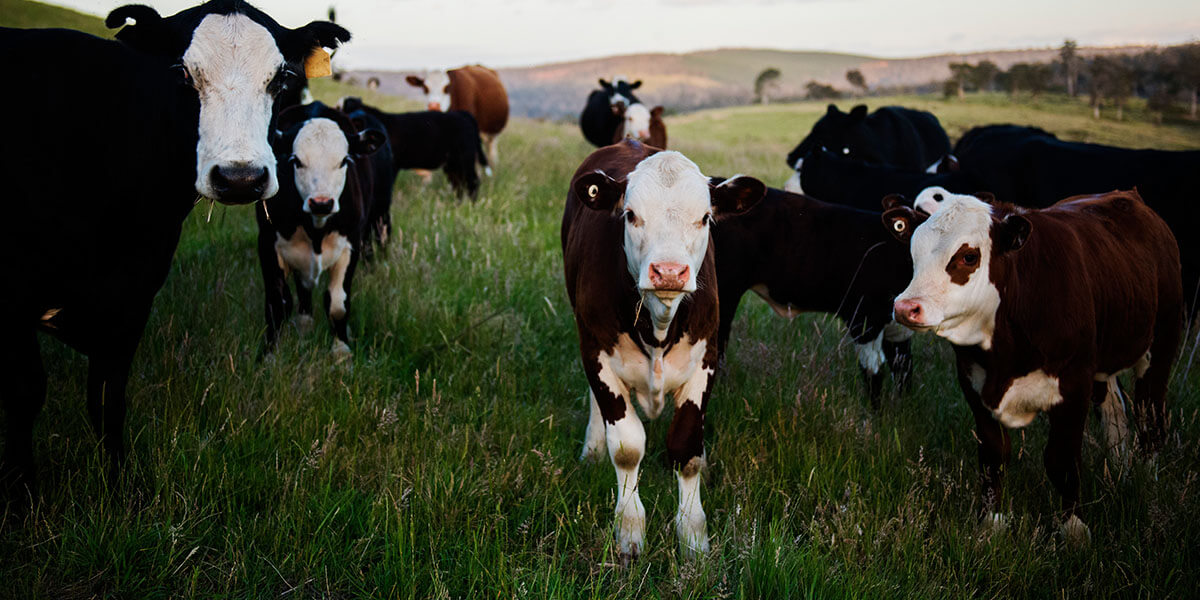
x: 803, y: 255
x: 639, y: 272
x: 430, y: 140
x: 892, y: 135
x: 100, y: 182
x: 320, y: 219
x: 384, y: 171
x: 601, y: 118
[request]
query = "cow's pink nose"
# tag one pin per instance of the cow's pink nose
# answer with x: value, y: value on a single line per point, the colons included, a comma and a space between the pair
x: 435, y: 106
x: 908, y: 312
x: 320, y: 205
x: 669, y: 276
x: 644, y: 134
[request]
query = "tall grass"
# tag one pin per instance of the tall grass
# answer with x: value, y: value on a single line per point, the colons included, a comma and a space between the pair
x: 440, y: 461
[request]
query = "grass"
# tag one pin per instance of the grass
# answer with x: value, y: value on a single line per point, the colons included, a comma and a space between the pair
x: 441, y: 460
x: 24, y: 14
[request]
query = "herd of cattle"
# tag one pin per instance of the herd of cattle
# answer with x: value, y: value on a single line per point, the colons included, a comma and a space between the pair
x: 1052, y: 267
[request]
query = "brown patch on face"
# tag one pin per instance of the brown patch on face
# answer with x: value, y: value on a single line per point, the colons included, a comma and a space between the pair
x: 626, y: 458
x: 964, y: 262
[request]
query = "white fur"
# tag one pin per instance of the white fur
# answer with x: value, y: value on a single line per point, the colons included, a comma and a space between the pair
x: 933, y: 169
x: 321, y: 147
x: 231, y: 60
x: 338, y: 247
x: 928, y: 199
x: 690, y: 521
x: 793, y: 184
x: 594, y: 438
x: 617, y: 97
x: 1076, y: 532
x: 628, y: 435
x: 637, y: 122
x: 1025, y: 397
x: 438, y: 83
x: 870, y: 354
x: 296, y: 254
x: 1112, y: 415
x: 963, y: 314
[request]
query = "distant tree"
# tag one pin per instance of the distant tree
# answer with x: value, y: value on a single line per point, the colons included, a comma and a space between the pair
x: 983, y: 74
x: 1187, y: 73
x: 1112, y: 79
x: 767, y: 80
x: 1031, y: 77
x: 856, y: 79
x: 1070, y: 60
x: 960, y: 74
x: 821, y: 91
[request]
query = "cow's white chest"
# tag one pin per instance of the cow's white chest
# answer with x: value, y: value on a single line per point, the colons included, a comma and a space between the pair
x: 1025, y: 397
x: 296, y: 254
x: 653, y: 372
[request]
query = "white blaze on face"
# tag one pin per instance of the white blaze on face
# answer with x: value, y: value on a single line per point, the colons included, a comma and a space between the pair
x: 637, y: 122
x: 232, y: 60
x: 963, y: 312
x: 438, y: 95
x: 617, y: 97
x: 931, y: 198
x: 319, y: 156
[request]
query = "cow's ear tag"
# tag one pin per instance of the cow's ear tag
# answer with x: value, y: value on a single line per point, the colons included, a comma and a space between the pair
x: 317, y: 64
x: 593, y: 190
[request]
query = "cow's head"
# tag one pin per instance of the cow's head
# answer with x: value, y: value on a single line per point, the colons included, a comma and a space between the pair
x: 436, y: 88
x: 635, y: 123
x: 841, y: 133
x: 318, y: 146
x: 667, y: 207
x: 240, y: 65
x: 952, y: 292
x: 620, y: 91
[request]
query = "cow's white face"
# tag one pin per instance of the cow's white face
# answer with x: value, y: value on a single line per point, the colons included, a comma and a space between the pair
x: 437, y: 91
x: 232, y: 61
x: 637, y: 122
x: 320, y: 158
x: 951, y: 291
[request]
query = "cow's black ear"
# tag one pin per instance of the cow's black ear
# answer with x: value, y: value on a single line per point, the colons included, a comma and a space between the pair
x: 988, y: 197
x: 901, y: 221
x: 891, y: 201
x: 859, y: 112
x: 370, y: 140
x: 604, y: 84
x: 415, y: 81
x: 735, y: 195
x: 598, y: 191
x: 324, y: 34
x: 140, y: 13
x: 145, y: 33
x: 635, y: 85
x: 1010, y: 233
x: 832, y: 109
x: 290, y: 117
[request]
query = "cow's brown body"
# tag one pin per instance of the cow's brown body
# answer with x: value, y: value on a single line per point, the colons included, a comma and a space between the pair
x: 477, y: 89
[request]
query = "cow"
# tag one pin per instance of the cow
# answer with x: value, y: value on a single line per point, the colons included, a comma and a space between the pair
x: 475, y: 89
x: 176, y: 107
x: 892, y: 135
x: 599, y: 119
x: 639, y: 271
x: 980, y: 144
x: 429, y: 140
x: 384, y: 171
x: 803, y: 255
x: 320, y: 219
x: 981, y: 275
x: 642, y: 124
x: 839, y: 179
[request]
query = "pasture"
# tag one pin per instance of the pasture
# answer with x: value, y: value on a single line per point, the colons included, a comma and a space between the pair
x: 440, y: 461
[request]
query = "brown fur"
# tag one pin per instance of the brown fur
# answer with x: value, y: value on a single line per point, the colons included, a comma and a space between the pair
x: 658, y: 129
x: 958, y: 268
x: 478, y: 90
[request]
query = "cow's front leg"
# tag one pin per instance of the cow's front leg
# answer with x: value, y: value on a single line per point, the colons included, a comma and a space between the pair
x: 626, y: 441
x: 304, y: 318
x: 685, y: 447
x: 594, y: 438
x: 337, y: 299
x: 1062, y: 454
x: 995, y: 446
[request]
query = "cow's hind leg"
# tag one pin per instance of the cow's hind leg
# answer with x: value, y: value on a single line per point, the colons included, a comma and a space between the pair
x: 1152, y: 375
x: 304, y: 308
x: 493, y: 151
x: 594, y: 438
x: 25, y: 380
x: 685, y: 448
x: 108, y: 375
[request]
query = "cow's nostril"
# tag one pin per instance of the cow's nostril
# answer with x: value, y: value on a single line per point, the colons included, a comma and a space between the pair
x: 236, y: 184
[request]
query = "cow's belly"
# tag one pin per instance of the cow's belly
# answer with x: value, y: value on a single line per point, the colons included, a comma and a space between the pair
x: 296, y: 254
x: 653, y: 372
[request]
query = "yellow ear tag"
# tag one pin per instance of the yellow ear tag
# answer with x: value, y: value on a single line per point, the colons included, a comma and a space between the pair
x: 317, y: 64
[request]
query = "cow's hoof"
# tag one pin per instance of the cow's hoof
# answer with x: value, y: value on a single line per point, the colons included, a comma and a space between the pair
x: 1076, y: 532
x: 341, y: 351
x: 304, y: 324
x: 627, y: 558
x: 487, y: 171
x: 997, y: 522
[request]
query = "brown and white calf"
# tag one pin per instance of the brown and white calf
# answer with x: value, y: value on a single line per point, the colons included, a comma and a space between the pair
x: 1045, y: 308
x: 640, y: 277
x: 640, y: 123
x: 475, y: 89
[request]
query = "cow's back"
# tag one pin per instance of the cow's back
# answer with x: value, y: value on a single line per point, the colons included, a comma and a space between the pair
x: 915, y: 137
x: 479, y: 91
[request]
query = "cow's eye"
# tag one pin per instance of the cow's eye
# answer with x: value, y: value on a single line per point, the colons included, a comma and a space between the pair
x: 185, y: 76
x: 446, y: 90
x: 630, y: 217
x: 970, y: 258
x: 295, y: 162
x: 346, y: 161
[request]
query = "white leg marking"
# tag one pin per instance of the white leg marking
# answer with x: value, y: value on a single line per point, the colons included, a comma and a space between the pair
x: 1025, y: 397
x: 1112, y: 415
x: 1076, y: 532
x: 691, y: 524
x: 626, y: 446
x: 594, y: 437
x: 1140, y: 367
x: 336, y: 248
x: 870, y: 354
x: 493, y: 151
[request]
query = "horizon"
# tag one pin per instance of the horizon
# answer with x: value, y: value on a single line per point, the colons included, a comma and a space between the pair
x: 466, y: 32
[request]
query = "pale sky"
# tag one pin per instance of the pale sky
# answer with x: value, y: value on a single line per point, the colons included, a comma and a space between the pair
x: 413, y: 34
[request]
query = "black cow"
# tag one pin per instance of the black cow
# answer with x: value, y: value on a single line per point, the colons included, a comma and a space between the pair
x: 892, y: 135
x: 432, y: 140
x: 99, y: 183
x: 320, y: 220
x: 843, y: 180
x: 383, y: 168
x: 803, y: 255
x: 600, y: 118
x: 984, y: 143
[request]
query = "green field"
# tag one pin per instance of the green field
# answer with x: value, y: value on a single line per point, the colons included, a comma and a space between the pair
x: 440, y: 461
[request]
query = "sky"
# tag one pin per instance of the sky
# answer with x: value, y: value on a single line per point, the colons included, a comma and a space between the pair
x: 417, y: 34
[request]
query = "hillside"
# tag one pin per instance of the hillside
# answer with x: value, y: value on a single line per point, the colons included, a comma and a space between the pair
x: 25, y: 14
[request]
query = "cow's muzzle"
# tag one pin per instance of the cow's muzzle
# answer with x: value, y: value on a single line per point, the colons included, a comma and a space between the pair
x: 239, y: 184
x: 669, y: 276
x: 320, y: 206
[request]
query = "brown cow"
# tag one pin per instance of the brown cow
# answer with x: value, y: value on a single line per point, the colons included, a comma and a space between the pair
x: 475, y: 89
x: 640, y: 277
x: 636, y: 122
x: 1045, y: 308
